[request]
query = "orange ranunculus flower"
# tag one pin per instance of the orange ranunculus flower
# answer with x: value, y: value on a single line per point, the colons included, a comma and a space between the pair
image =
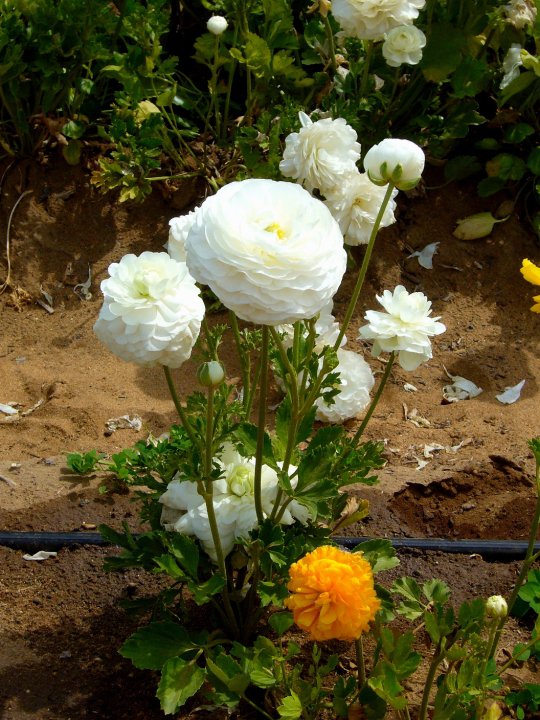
x: 531, y: 273
x: 332, y: 594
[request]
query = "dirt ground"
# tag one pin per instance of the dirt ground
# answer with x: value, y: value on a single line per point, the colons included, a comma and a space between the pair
x: 459, y: 470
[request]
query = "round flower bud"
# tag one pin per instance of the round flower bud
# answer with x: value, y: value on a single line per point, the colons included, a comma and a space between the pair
x: 217, y: 25
x: 211, y: 374
x: 496, y: 607
x: 400, y: 162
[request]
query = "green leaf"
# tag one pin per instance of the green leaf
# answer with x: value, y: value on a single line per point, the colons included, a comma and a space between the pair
x: 521, y: 83
x: 533, y: 161
x: 471, y: 77
x: 229, y: 673
x: 461, y: 167
x: 258, y: 55
x: 490, y: 185
x: 291, y: 707
x: 518, y: 132
x: 83, y: 463
x: 151, y: 646
x: 202, y: 592
x: 506, y: 166
x: 168, y: 565
x: 180, y: 680
x: 185, y: 551
x: 280, y: 622
x: 247, y: 435
x: 73, y: 129
x: 380, y: 554
x: 443, y: 52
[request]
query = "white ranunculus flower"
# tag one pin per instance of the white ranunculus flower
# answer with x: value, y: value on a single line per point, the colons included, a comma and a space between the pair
x: 217, y: 24
x: 521, y: 13
x: 184, y: 510
x: 511, y: 64
x: 403, y: 44
x: 271, y: 252
x: 355, y: 204
x: 372, y: 19
x: 152, y: 311
x: 179, y: 228
x: 326, y: 327
x: 355, y: 383
x: 393, y: 160
x: 405, y: 327
x: 320, y: 153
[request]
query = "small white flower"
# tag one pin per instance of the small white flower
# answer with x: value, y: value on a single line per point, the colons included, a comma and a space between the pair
x: 179, y: 228
x: 521, y: 13
x: 211, y: 373
x: 217, y: 25
x: 403, y: 44
x: 184, y: 510
x: 372, y: 19
x: 393, y: 160
x: 320, y: 153
x: 152, y: 311
x: 404, y: 328
x: 496, y: 607
x: 271, y: 252
x: 512, y: 62
x: 355, y: 383
x: 355, y: 204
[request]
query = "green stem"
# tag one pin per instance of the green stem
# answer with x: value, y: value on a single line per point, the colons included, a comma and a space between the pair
x: 232, y: 70
x: 180, y: 410
x: 364, y: 267
x: 365, y: 72
x: 361, y: 666
x: 358, y: 434
x: 263, y: 390
x: 331, y: 47
x: 240, y: 351
x: 437, y: 659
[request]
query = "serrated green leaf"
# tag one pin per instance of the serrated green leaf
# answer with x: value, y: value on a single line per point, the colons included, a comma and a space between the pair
x: 180, y: 680
x: 280, y: 622
x: 202, y: 592
x: 443, y: 52
x: 185, y: 551
x: 291, y: 707
x: 247, y: 435
x: 380, y: 554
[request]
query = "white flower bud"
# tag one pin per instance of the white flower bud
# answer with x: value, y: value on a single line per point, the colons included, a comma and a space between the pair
x: 476, y: 226
x: 400, y: 162
x: 496, y: 607
x: 211, y: 374
x: 217, y: 25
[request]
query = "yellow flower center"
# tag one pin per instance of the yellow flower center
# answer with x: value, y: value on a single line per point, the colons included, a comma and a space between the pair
x: 277, y: 230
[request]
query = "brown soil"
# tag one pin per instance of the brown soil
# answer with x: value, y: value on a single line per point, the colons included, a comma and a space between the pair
x: 60, y: 622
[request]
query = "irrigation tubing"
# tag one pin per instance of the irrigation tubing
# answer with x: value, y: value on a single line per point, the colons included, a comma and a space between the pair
x: 494, y: 550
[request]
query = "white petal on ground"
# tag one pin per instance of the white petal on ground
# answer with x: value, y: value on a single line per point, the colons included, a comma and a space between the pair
x: 425, y: 256
x: 511, y: 394
x: 460, y: 389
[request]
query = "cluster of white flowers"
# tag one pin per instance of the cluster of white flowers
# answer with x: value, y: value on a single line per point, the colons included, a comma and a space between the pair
x: 152, y: 310
x: 521, y: 13
x: 184, y: 510
x: 405, y: 327
x: 373, y: 19
x: 270, y: 251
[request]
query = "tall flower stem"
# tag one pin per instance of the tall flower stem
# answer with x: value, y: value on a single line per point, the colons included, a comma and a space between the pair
x: 364, y: 267
x: 358, y: 434
x: 437, y: 659
x: 263, y: 391
x: 179, y: 409
x: 232, y: 70
x: 209, y: 503
x: 330, y: 39
x: 365, y: 72
x: 360, y: 663
x: 244, y: 367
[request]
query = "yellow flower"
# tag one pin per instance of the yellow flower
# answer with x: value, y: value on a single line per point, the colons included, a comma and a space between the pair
x: 531, y: 273
x: 332, y: 594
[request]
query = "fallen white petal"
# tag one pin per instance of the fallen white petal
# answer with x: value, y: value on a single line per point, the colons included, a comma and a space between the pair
x: 410, y: 388
x: 124, y: 422
x: 40, y: 555
x: 8, y: 410
x: 511, y: 394
x: 434, y: 447
x: 425, y: 256
x: 460, y: 389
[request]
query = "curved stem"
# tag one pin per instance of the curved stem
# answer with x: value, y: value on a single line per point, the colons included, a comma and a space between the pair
x: 179, y: 409
x: 364, y: 267
x: 331, y: 46
x: 263, y: 390
x: 360, y: 663
x: 365, y: 72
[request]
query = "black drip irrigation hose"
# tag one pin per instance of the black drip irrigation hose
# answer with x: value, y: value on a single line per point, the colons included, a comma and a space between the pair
x: 494, y: 550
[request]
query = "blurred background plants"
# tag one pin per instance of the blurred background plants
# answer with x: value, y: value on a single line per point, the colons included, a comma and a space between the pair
x: 159, y: 96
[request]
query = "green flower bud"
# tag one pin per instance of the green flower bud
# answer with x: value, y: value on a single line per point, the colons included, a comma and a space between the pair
x: 496, y: 607
x: 211, y: 374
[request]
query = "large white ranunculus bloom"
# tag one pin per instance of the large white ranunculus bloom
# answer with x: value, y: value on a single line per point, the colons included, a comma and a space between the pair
x: 405, y: 327
x: 270, y: 251
x: 320, y: 153
x: 355, y: 204
x: 355, y: 383
x: 179, y: 228
x: 393, y: 160
x: 152, y: 311
x: 372, y: 19
x: 184, y: 510
x: 403, y: 44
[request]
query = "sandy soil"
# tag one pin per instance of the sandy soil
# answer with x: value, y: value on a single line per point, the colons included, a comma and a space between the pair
x: 60, y: 624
